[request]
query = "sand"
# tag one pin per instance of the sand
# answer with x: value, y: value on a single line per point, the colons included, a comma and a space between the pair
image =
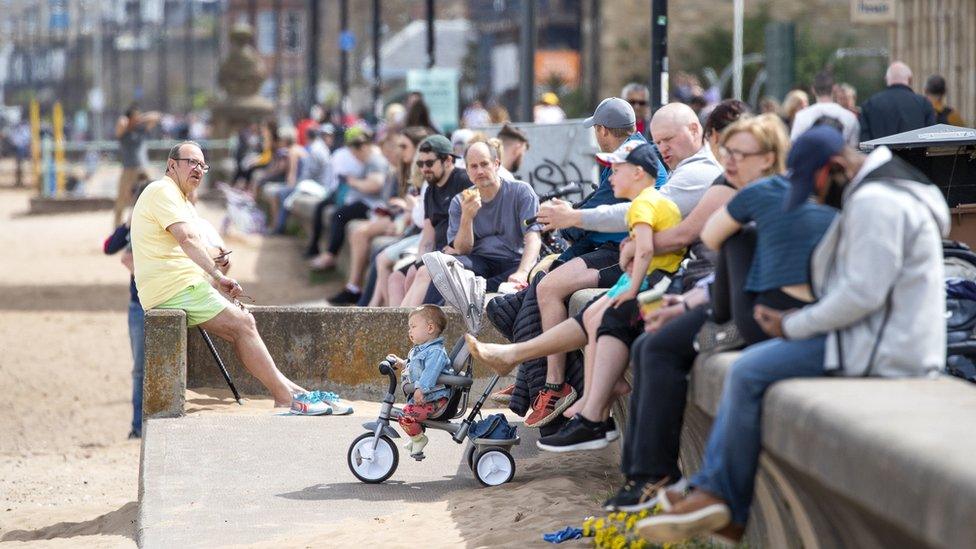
x: 69, y: 477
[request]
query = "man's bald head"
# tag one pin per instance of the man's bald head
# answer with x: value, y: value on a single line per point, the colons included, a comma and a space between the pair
x: 898, y: 73
x: 676, y: 132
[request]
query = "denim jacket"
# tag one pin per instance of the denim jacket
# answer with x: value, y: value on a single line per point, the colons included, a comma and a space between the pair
x: 425, y: 362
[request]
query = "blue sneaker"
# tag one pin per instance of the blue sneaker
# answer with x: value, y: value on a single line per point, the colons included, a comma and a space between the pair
x: 309, y: 404
x: 339, y: 408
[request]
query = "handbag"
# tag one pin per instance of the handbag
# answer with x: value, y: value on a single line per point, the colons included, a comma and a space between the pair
x: 718, y: 338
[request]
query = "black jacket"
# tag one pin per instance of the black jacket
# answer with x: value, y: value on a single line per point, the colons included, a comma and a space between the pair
x: 894, y: 109
x: 516, y: 316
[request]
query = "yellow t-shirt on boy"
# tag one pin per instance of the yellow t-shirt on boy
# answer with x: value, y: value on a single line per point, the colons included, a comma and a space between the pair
x: 654, y: 209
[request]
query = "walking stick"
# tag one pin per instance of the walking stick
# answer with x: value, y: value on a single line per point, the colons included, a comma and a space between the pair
x: 220, y: 364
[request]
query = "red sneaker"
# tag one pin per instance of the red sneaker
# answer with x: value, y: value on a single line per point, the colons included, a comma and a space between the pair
x: 549, y: 404
x: 504, y: 396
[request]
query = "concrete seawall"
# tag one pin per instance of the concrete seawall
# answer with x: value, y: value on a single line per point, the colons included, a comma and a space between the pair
x: 845, y: 463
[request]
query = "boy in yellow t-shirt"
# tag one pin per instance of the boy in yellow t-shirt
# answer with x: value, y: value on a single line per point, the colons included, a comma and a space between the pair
x: 613, y: 322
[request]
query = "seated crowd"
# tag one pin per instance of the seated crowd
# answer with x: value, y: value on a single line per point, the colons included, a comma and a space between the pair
x: 716, y: 235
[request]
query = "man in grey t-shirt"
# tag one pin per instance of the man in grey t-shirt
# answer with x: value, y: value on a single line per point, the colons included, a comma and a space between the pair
x: 487, y: 229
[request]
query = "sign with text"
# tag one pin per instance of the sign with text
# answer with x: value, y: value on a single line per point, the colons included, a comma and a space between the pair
x: 873, y: 12
x: 440, y: 90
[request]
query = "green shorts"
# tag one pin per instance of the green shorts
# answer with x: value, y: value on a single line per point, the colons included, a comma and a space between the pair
x: 200, y: 301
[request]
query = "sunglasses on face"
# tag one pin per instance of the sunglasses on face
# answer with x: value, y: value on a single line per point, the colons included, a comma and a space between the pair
x: 427, y: 163
x: 637, y: 102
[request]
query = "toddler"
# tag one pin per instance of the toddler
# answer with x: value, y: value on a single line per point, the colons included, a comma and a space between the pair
x: 425, y: 362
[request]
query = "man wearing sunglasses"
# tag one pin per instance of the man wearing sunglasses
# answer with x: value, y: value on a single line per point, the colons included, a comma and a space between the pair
x: 639, y: 98
x: 174, y: 270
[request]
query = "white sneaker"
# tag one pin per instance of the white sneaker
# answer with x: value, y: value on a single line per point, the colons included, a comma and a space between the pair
x: 307, y: 404
x: 339, y: 407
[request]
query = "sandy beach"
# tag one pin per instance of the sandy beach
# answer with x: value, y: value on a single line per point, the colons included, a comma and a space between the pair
x: 69, y: 477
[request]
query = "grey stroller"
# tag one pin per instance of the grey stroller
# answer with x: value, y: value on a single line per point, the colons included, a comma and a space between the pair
x: 373, y: 457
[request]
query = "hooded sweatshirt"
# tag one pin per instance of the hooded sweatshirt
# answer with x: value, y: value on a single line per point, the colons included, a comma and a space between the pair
x: 878, y: 275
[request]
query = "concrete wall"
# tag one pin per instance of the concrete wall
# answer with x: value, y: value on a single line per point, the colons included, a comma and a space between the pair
x: 331, y: 348
x: 853, y: 463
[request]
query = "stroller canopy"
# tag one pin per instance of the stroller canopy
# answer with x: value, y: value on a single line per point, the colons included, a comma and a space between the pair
x: 459, y: 286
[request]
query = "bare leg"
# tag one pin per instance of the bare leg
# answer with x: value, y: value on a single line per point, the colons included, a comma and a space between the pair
x: 592, y: 317
x: 503, y: 358
x: 395, y: 289
x: 611, y: 354
x: 383, y: 268
x: 551, y: 293
x: 359, y: 242
x: 238, y: 327
x: 418, y: 290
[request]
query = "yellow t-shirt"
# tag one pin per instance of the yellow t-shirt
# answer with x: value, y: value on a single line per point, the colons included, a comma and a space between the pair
x: 162, y: 269
x: 654, y: 209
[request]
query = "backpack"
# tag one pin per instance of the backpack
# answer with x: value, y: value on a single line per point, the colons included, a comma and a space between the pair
x: 494, y: 427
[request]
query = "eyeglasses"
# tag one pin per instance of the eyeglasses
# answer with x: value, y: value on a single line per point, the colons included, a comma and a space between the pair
x: 196, y: 164
x: 637, y: 102
x: 427, y: 163
x: 738, y: 156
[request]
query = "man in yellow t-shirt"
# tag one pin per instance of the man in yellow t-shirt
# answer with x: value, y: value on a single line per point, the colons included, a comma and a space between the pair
x: 174, y: 270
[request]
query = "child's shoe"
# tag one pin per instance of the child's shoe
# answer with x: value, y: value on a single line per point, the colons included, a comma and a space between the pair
x: 417, y: 444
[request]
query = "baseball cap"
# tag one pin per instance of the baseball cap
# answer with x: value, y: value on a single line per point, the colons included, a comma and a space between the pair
x: 509, y: 131
x: 612, y: 112
x: 327, y: 129
x: 639, y: 153
x: 439, y: 144
x: 810, y: 152
x: 550, y: 98
x: 355, y: 136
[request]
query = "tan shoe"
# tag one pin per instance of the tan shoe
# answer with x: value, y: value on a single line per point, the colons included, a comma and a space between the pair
x: 696, y: 514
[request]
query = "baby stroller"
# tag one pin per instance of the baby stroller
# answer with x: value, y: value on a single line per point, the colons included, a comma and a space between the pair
x: 373, y: 457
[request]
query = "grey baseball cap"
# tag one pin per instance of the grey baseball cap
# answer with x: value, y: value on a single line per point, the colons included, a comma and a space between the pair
x: 612, y: 112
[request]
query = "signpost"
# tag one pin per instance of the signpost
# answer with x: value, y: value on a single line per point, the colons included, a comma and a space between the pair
x: 440, y: 90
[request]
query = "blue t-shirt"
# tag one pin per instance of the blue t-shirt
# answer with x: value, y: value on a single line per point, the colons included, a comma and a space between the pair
x: 499, y: 231
x: 784, y: 240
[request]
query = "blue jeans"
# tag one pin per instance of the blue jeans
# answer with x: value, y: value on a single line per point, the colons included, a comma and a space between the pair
x: 137, y: 340
x: 280, y: 222
x: 732, y: 454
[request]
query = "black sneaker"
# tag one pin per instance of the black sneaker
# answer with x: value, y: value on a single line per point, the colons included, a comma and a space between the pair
x: 576, y: 435
x: 133, y: 434
x: 636, y: 495
x: 345, y: 297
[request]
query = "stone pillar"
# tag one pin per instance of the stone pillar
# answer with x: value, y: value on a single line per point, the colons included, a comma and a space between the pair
x: 164, y: 387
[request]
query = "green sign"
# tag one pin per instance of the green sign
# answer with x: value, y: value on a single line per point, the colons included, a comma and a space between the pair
x: 440, y: 90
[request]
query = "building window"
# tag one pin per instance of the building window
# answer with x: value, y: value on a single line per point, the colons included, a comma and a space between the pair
x: 266, y: 32
x: 293, y: 32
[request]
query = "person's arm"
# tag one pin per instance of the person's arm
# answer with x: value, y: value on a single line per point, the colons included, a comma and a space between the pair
x: 689, y: 230
x: 874, y: 259
x: 117, y: 241
x: 292, y: 177
x: 189, y: 240
x: 719, y: 228
x: 427, y: 238
x: 150, y: 119
x: 605, y: 218
x: 463, y: 240
x: 434, y: 361
x: 122, y: 126
x: 865, y: 124
x: 371, y: 184
x: 643, y: 253
x: 531, y: 244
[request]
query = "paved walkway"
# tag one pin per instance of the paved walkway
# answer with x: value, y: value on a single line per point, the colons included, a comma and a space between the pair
x: 213, y: 480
